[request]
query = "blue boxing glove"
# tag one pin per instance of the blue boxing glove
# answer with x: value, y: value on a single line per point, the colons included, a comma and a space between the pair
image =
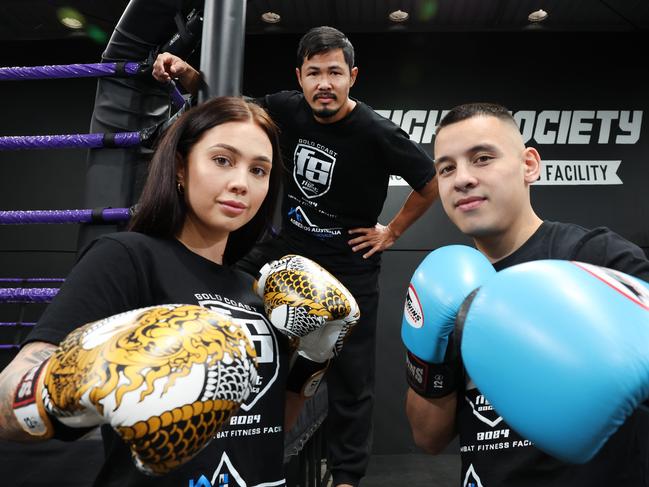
x: 561, y: 351
x: 437, y: 288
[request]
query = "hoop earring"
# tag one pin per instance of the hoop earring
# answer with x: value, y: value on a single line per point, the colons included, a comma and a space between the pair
x: 179, y: 188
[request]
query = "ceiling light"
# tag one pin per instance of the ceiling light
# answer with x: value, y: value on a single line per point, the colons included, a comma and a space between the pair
x: 398, y: 16
x: 72, y: 23
x: 71, y: 18
x: 537, y: 16
x: 271, y: 17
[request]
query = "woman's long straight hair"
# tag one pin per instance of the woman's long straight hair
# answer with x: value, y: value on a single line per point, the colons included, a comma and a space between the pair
x: 161, y: 210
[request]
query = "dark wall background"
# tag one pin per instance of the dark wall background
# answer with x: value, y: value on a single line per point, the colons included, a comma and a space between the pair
x: 398, y: 71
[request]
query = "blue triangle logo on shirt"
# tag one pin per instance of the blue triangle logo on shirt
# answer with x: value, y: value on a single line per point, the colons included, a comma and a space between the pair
x: 201, y: 482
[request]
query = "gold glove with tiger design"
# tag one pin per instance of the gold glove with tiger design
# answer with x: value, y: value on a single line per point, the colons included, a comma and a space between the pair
x: 166, y: 378
x: 310, y: 306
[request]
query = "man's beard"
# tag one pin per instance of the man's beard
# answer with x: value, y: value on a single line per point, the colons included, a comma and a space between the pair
x: 326, y: 112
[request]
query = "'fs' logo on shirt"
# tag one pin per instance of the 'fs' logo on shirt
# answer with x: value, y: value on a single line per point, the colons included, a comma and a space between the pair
x: 313, y: 167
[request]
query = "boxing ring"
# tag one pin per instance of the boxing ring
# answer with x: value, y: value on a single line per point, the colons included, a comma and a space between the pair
x: 223, y: 28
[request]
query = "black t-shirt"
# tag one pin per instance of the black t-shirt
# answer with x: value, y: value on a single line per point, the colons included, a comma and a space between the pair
x: 495, y: 455
x: 338, y: 173
x: 125, y: 271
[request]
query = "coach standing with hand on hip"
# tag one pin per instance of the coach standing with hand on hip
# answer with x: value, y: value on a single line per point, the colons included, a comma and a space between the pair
x: 340, y: 155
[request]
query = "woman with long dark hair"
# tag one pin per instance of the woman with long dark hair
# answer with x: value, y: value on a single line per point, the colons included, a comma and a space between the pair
x: 162, y: 209
x: 208, y: 198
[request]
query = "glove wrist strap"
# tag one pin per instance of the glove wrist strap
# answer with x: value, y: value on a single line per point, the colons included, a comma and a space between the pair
x: 31, y: 414
x: 27, y: 407
x: 431, y: 380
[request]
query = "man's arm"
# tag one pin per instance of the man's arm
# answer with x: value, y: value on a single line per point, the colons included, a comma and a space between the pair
x: 31, y: 355
x: 436, y: 295
x: 379, y: 237
x: 432, y: 420
x: 415, y: 205
x: 606, y: 248
x: 168, y: 66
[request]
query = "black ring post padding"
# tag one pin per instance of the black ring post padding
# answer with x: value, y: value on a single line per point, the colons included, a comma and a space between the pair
x: 120, y: 69
x: 109, y: 140
x: 183, y: 42
x: 149, y: 136
x: 126, y: 105
x: 97, y: 215
x: 180, y: 25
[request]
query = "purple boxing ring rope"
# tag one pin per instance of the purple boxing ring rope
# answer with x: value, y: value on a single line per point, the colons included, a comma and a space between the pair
x: 27, y: 294
x: 102, y: 215
x: 87, y: 141
x: 71, y: 141
x: 27, y: 280
x: 96, y: 70
x: 144, y: 137
x: 45, y: 295
x: 14, y: 324
x: 93, y: 70
x: 23, y: 296
x: 18, y: 324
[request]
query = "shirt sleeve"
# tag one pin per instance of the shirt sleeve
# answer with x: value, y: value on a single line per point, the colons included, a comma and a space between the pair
x: 278, y: 103
x: 606, y: 248
x: 261, y: 101
x: 103, y: 282
x: 405, y: 158
x: 273, y: 105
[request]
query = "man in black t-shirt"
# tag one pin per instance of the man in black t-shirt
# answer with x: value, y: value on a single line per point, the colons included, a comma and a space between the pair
x: 485, y: 172
x: 339, y: 155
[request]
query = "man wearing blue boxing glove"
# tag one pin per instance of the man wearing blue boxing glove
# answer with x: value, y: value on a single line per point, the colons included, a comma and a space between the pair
x: 485, y: 172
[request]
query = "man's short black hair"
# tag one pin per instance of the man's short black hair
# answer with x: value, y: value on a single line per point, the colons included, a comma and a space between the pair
x: 324, y: 39
x: 470, y: 110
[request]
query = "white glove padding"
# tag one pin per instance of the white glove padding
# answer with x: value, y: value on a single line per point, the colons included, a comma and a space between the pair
x: 305, y: 302
x: 166, y: 378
